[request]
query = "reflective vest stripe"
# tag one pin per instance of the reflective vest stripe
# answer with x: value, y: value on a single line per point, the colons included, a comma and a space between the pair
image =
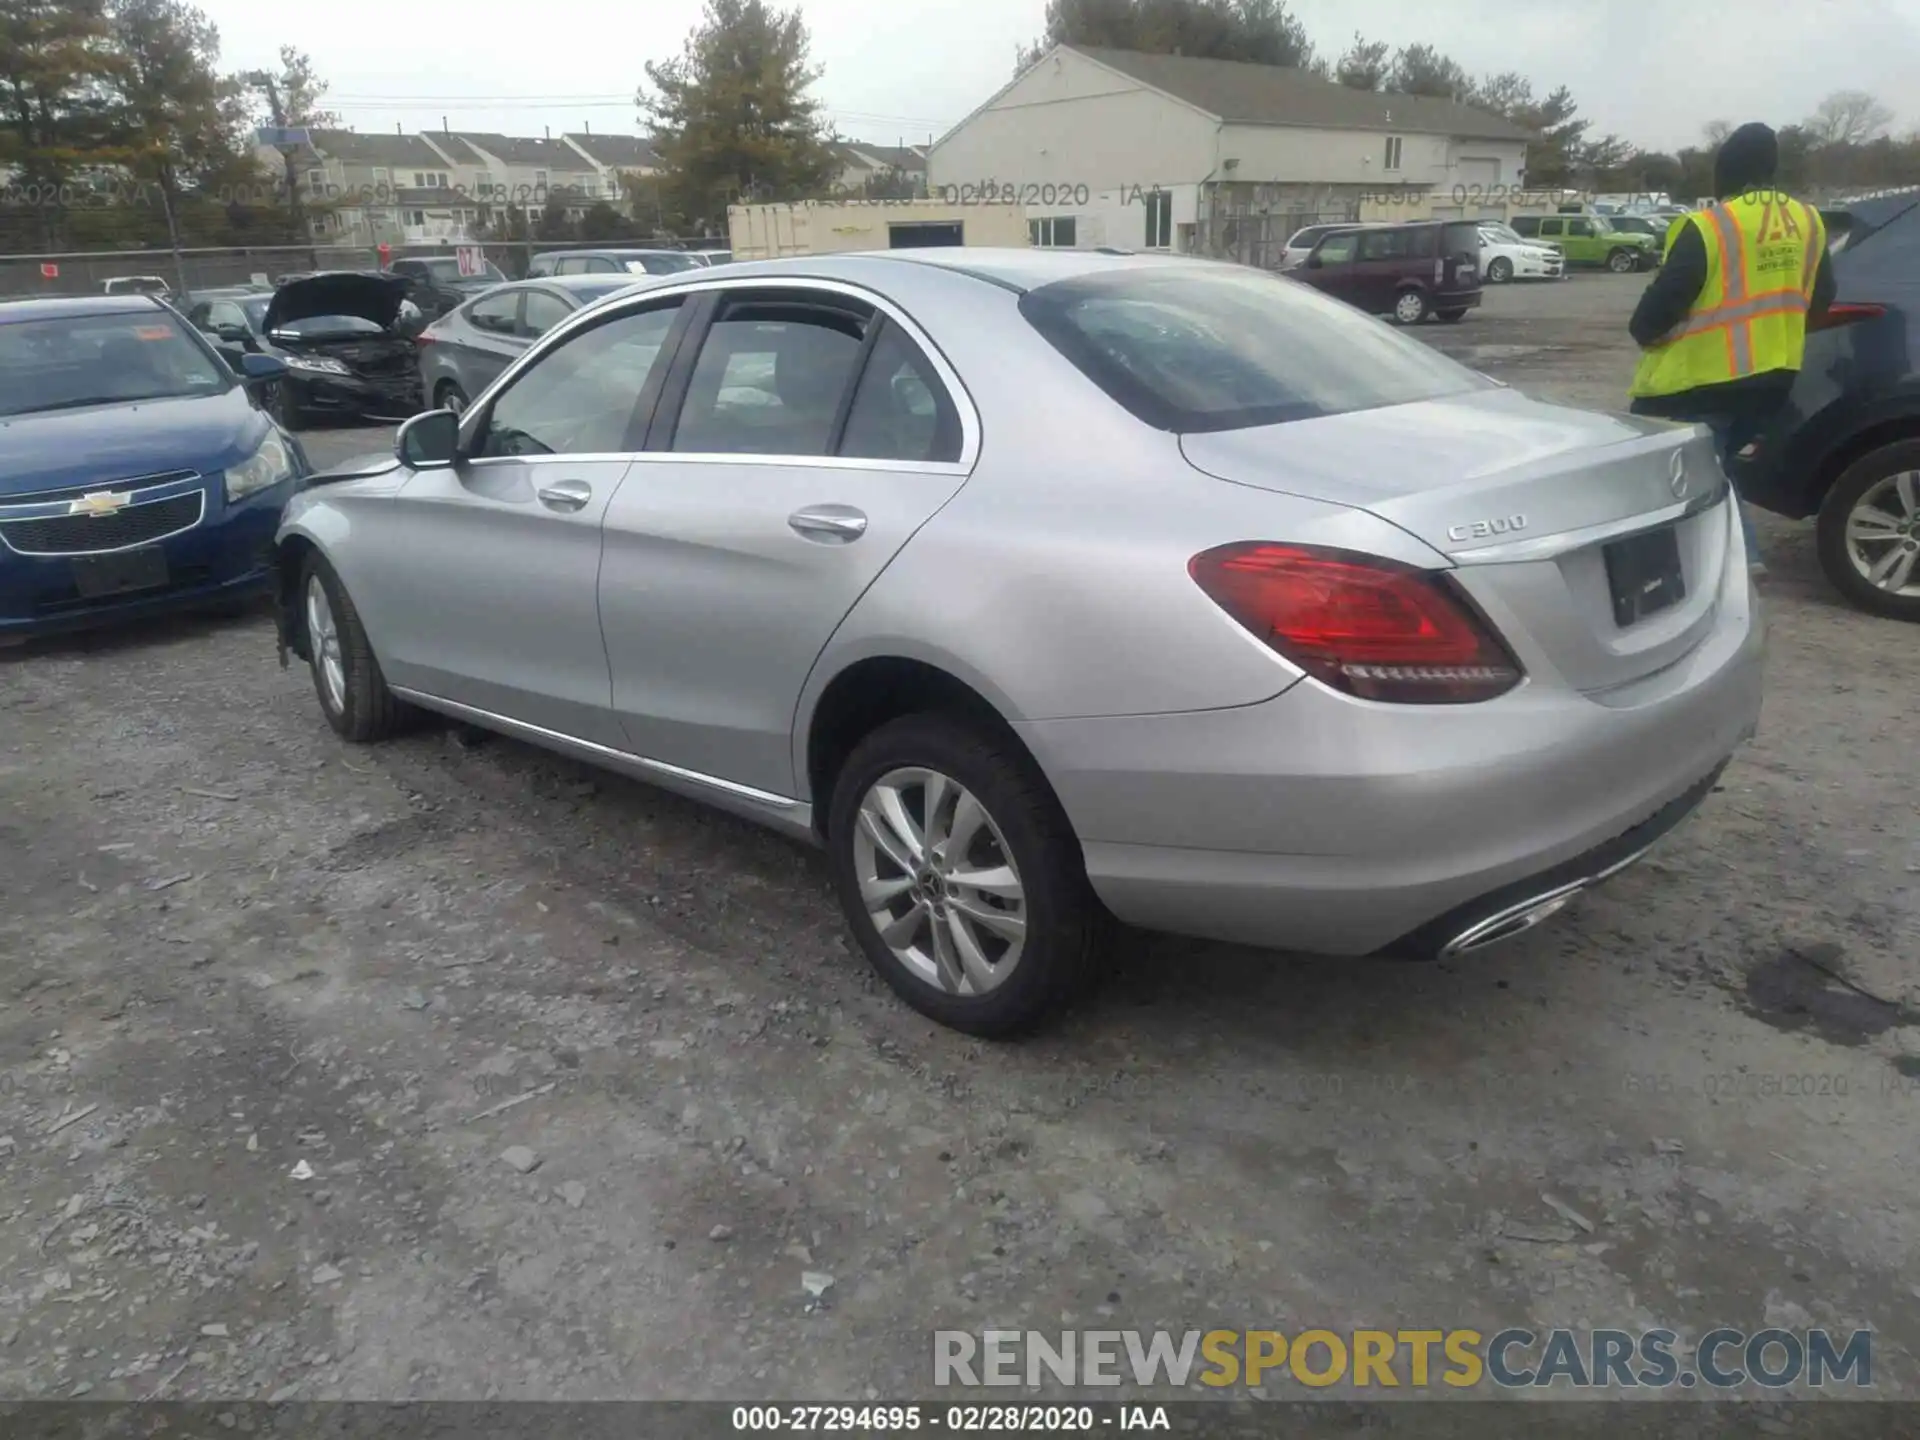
x: 1768, y: 302
x: 1816, y: 247
x: 1733, y: 256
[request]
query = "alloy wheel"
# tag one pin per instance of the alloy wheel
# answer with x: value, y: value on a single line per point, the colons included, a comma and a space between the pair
x: 1883, y: 534
x: 1409, y: 308
x: 323, y: 637
x: 1621, y: 262
x: 938, y: 880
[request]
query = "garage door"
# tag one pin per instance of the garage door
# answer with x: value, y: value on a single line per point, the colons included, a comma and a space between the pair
x: 1484, y: 173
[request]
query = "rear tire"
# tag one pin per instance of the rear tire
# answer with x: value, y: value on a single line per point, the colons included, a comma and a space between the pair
x: 1410, y: 308
x: 1500, y: 270
x: 353, y: 693
x: 1039, y: 919
x: 1623, y: 262
x: 1868, y: 499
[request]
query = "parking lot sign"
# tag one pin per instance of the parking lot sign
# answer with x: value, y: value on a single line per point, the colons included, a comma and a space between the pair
x: 471, y: 259
x: 282, y: 137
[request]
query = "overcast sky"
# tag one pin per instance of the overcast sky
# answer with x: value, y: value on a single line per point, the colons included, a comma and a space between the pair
x: 1654, y: 73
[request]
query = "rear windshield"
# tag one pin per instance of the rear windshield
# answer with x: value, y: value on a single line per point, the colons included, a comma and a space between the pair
x: 1197, y: 349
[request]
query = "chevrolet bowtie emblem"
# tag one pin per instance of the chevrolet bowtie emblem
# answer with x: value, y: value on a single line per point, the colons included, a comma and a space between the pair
x: 100, y: 502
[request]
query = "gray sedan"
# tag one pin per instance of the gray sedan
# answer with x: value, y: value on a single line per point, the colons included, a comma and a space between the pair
x: 465, y: 350
x: 1047, y: 587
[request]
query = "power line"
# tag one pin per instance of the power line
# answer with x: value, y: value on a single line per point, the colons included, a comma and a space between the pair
x: 562, y: 102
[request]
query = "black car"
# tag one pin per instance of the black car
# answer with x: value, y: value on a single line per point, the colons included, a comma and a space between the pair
x: 1846, y: 449
x: 436, y: 285
x: 340, y: 337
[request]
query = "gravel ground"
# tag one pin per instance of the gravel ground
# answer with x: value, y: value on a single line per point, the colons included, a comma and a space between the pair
x: 439, y: 1070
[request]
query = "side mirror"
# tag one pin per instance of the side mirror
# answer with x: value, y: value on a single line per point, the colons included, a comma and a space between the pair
x: 255, y: 369
x: 428, y: 441
x: 236, y: 333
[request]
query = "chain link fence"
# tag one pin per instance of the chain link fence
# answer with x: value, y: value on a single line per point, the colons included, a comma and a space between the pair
x: 87, y: 272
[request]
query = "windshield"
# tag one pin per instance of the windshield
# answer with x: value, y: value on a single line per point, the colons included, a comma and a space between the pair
x: 1503, y: 234
x: 591, y: 290
x: 256, y: 310
x: 75, y: 360
x: 447, y: 272
x: 662, y: 264
x: 1226, y: 349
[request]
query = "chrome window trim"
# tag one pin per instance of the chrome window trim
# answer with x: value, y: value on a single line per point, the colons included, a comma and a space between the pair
x: 200, y: 514
x: 619, y: 304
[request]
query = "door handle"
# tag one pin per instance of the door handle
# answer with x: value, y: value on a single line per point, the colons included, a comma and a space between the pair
x: 565, y: 494
x: 834, y: 524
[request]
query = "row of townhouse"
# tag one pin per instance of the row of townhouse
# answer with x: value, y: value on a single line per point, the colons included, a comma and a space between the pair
x: 433, y: 187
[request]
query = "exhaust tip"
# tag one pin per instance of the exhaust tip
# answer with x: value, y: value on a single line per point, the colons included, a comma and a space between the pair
x: 1505, y: 924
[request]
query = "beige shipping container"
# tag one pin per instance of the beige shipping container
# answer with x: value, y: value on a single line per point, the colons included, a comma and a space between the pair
x: 764, y: 232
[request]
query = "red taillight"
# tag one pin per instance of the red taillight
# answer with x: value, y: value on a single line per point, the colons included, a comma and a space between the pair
x: 1845, y: 313
x: 1374, y: 628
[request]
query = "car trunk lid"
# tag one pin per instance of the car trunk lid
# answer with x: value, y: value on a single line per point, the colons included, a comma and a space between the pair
x: 1539, y: 507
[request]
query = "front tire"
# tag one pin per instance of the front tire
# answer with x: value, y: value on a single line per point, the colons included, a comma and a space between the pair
x: 1868, y: 533
x: 961, y: 877
x: 1500, y: 270
x: 353, y: 693
x: 1410, y: 308
x: 1623, y: 262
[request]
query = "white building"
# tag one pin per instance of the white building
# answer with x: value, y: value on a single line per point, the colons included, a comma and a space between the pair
x: 1170, y: 152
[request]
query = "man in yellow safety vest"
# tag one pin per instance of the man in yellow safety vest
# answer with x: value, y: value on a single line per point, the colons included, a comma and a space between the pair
x: 1723, y: 327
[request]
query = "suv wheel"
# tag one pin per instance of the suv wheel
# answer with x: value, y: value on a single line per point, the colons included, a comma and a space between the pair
x: 1869, y: 532
x: 1623, y: 262
x: 1499, y: 270
x: 961, y: 876
x: 1410, y: 308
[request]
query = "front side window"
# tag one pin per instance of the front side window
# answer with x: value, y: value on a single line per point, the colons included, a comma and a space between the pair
x: 663, y: 264
x: 581, y: 397
x: 1191, y: 350
x: 770, y: 379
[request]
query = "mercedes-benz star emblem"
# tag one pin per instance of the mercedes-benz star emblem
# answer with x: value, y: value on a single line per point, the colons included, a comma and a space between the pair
x: 1677, y: 475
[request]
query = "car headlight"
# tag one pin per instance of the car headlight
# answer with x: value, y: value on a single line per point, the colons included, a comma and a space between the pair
x: 267, y: 466
x: 320, y: 365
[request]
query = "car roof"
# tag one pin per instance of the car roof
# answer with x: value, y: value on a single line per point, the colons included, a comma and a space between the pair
x: 1010, y: 269
x: 57, y: 307
x: 619, y: 251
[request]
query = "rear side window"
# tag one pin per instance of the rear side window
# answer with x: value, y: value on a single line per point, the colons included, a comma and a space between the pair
x: 900, y: 410
x: 1197, y: 350
x: 1393, y: 244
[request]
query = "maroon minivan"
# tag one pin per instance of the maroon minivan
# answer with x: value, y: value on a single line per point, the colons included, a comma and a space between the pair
x: 1410, y: 271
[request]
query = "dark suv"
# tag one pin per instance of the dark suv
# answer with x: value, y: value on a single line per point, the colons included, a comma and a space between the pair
x: 1406, y: 271
x: 435, y: 283
x: 1846, y: 447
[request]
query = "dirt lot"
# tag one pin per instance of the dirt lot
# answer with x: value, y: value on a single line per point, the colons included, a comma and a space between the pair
x: 271, y: 1011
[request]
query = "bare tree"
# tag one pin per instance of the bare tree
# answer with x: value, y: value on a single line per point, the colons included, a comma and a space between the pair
x: 1716, y: 132
x: 1849, y: 117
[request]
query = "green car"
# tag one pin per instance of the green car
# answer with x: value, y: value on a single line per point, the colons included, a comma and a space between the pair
x: 1591, y: 240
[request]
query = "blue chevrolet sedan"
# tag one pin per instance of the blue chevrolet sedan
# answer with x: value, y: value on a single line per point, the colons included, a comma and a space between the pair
x: 137, y: 475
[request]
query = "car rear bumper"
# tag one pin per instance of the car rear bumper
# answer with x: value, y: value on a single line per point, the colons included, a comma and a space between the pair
x: 1317, y: 823
x: 228, y: 554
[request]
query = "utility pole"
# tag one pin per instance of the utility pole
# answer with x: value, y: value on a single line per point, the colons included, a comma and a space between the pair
x: 165, y: 172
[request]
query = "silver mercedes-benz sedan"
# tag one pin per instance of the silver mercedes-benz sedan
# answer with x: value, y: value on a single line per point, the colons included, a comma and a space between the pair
x: 1043, y: 588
